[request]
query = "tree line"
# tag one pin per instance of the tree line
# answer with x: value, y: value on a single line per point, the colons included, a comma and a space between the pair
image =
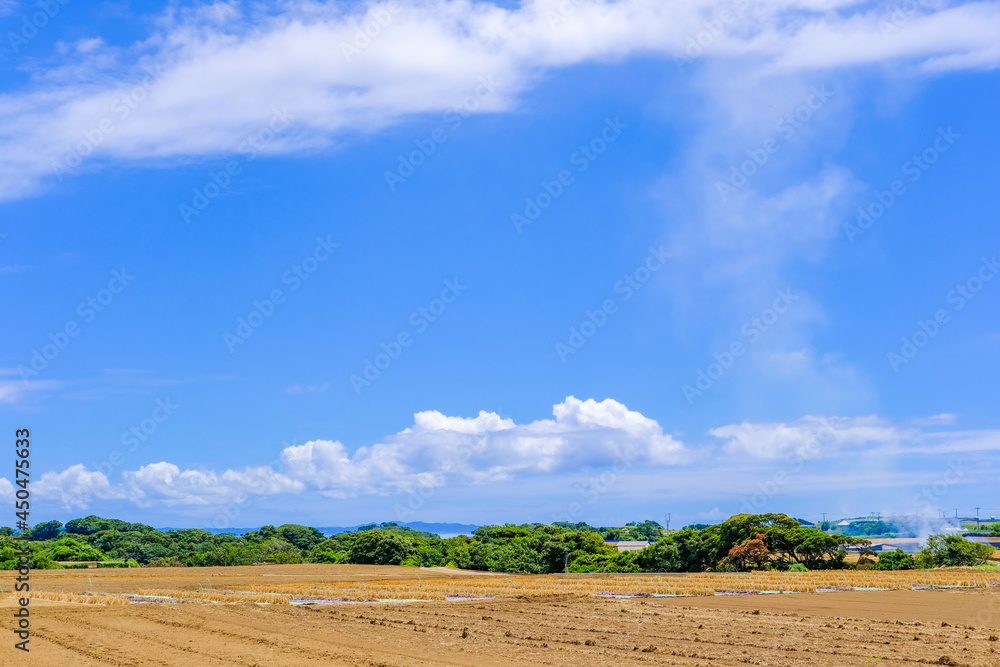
x: 741, y: 543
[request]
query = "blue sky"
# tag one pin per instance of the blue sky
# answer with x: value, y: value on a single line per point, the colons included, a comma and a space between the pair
x: 592, y: 272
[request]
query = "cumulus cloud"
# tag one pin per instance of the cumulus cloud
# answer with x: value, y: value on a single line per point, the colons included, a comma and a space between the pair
x: 210, y: 76
x: 167, y: 484
x: 583, y: 436
x: 75, y: 487
x: 439, y: 449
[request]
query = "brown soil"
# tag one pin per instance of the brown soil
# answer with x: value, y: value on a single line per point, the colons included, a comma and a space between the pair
x: 826, y: 629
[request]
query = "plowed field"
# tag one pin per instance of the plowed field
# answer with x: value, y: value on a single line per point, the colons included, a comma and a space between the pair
x: 896, y: 627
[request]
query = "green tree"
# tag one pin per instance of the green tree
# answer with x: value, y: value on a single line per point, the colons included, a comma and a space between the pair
x: 456, y: 552
x: 618, y: 562
x: 487, y: 534
x: 664, y: 556
x: 303, y: 537
x: 376, y: 547
x: 265, y: 533
x: 431, y: 554
x: 955, y: 550
x: 69, y: 549
x: 49, y: 530
x: 895, y: 560
x: 94, y: 524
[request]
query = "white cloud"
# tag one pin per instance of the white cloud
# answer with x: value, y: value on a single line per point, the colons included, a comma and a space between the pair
x: 167, y: 484
x: 584, y: 436
x: 811, y: 437
x: 439, y: 449
x: 753, y: 219
x: 75, y: 487
x: 296, y: 389
x: 436, y: 450
x: 943, y: 419
x: 15, y: 391
x: 220, y: 72
x: 715, y: 515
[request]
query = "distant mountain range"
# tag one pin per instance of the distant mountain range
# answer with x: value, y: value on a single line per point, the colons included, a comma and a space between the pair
x: 442, y: 529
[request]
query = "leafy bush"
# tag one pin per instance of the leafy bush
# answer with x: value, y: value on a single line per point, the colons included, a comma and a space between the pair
x: 50, y: 530
x: 303, y: 537
x: 68, y: 548
x: 376, y: 547
x: 328, y: 557
x: 619, y: 562
x: 895, y: 560
x: 955, y: 550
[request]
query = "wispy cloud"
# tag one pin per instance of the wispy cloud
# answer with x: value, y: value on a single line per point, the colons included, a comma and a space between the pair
x: 16, y: 391
x: 207, y: 77
x: 307, y: 389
